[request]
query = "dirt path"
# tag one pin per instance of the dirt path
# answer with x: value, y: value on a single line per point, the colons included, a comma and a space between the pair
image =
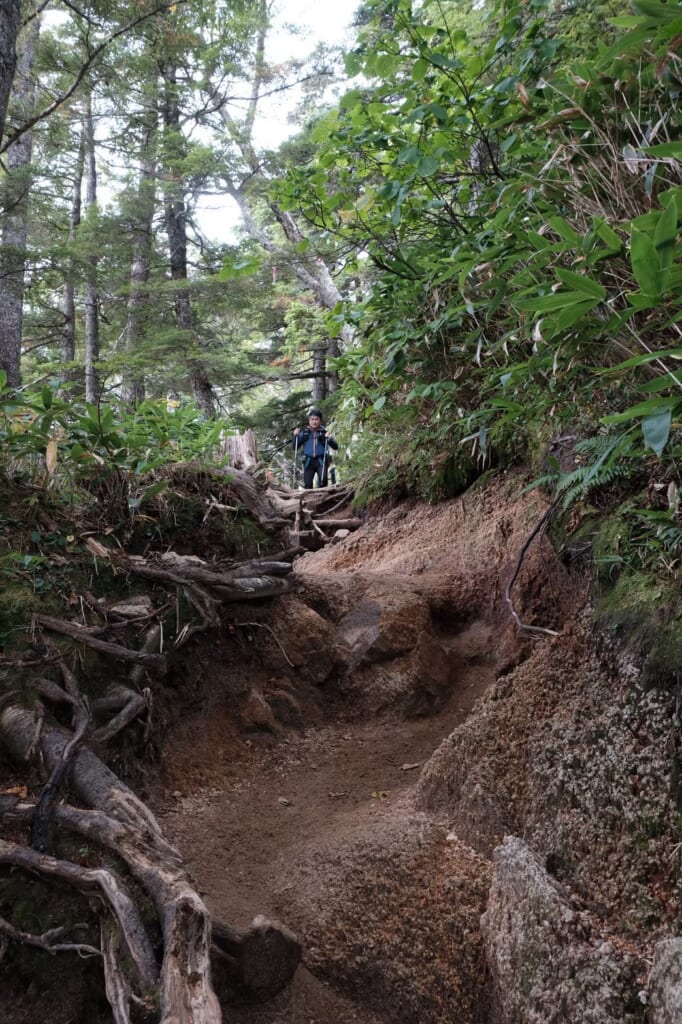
x: 244, y: 837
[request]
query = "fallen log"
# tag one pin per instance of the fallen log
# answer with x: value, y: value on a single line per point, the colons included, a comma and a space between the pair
x: 262, y: 960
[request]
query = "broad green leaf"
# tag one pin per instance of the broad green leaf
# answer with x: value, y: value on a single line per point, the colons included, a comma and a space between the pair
x: 585, y: 284
x: 408, y: 155
x: 626, y: 21
x: 642, y: 359
x: 547, y: 303
x: 573, y: 313
x: 152, y: 491
x: 427, y: 166
x: 656, y: 430
x: 662, y: 383
x: 666, y: 229
x: 419, y: 69
x: 651, y: 407
x: 386, y: 64
x: 608, y: 235
x: 644, y: 258
x: 379, y: 403
x: 663, y: 149
x: 564, y: 230
x: 657, y: 11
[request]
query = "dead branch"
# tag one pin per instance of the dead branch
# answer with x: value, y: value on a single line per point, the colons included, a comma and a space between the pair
x: 49, y: 940
x: 319, y: 531
x: 187, y: 996
x: 83, y: 635
x: 204, y: 604
x: 346, y: 497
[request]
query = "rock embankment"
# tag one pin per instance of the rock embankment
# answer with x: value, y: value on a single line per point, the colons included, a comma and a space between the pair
x: 527, y: 873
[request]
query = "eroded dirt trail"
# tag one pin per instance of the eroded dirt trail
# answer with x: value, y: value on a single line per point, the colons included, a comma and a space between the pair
x: 300, y: 799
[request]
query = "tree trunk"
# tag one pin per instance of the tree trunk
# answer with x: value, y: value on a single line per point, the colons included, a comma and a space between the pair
x: 319, y: 390
x: 241, y: 450
x: 176, y: 229
x: 69, y: 288
x: 92, y: 384
x: 10, y: 20
x: 15, y: 209
x: 133, y: 387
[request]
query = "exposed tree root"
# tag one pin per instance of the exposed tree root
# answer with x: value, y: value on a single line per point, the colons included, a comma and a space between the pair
x: 524, y: 626
x: 262, y: 959
x: 50, y: 941
x: 173, y: 985
x: 87, y: 880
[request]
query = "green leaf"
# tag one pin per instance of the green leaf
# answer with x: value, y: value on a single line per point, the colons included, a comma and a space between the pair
x: 427, y: 166
x: 379, y: 403
x: 152, y: 491
x: 46, y: 396
x: 419, y: 69
x: 656, y: 430
x: 547, y: 303
x: 386, y: 65
x: 659, y: 12
x: 564, y: 230
x: 573, y: 313
x: 663, y: 149
x: 585, y: 284
x: 608, y: 235
x: 666, y: 228
x: 644, y: 258
x: 652, y: 407
x: 408, y: 155
x: 645, y: 357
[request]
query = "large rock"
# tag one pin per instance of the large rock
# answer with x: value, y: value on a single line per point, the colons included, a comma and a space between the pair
x: 548, y: 963
x: 311, y: 642
x: 665, y: 985
x: 396, y: 660
x: 389, y: 913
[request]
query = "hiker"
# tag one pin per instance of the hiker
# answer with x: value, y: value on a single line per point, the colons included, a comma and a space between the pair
x: 314, y: 442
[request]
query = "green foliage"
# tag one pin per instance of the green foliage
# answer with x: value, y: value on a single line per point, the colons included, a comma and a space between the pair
x: 63, y: 443
x: 519, y: 199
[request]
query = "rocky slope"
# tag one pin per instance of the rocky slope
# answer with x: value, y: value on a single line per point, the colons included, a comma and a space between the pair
x: 530, y: 870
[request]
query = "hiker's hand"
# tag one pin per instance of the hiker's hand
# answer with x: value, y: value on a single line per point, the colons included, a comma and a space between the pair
x: 297, y: 431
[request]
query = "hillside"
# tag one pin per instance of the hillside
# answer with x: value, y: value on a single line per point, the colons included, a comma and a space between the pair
x: 452, y: 814
x: 436, y: 752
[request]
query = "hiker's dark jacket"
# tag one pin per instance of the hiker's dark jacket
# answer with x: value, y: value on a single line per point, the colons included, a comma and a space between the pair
x: 312, y: 443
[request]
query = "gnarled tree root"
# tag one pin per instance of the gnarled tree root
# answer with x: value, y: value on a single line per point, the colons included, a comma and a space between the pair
x: 263, y: 959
